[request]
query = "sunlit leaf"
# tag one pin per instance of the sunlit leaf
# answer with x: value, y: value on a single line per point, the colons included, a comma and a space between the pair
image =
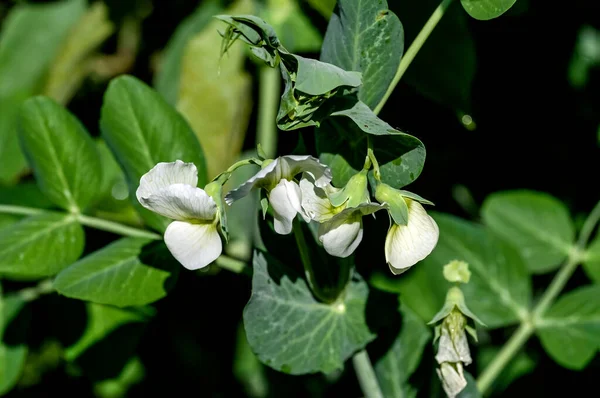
x: 487, y: 9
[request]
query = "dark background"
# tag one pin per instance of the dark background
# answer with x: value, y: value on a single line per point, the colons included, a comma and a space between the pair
x: 534, y: 131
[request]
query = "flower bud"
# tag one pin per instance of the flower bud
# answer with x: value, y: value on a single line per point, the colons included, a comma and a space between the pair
x: 457, y: 271
x: 354, y: 193
x: 452, y: 377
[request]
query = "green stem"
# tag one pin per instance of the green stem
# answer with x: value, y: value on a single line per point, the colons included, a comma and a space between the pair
x: 508, y: 351
x: 306, y: 262
x: 412, y: 51
x: 20, y: 210
x: 366, y: 375
x: 232, y: 264
x: 116, y: 228
x: 32, y: 293
x: 514, y: 344
x: 268, y: 103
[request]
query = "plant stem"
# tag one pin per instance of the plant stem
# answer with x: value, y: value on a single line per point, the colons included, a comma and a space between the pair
x: 412, y: 51
x: 268, y: 102
x: 366, y: 375
x: 232, y: 264
x: 20, y: 210
x: 514, y: 344
x: 306, y: 262
x: 508, y: 351
x: 32, y: 293
x: 116, y: 228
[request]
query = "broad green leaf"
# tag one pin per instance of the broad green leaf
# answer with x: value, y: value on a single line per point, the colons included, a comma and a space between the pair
x: 167, y: 79
x: 487, y: 9
x: 128, y: 272
x: 401, y: 156
x: 399, y: 363
x: 537, y: 224
x: 13, y: 348
x: 499, y: 291
x: 31, y: 36
x: 26, y: 194
x: 591, y: 261
x: 72, y: 63
x: 520, y: 365
x: 62, y: 153
x: 451, y: 44
x: 40, y: 246
x: 13, y: 160
x: 294, y: 28
x: 366, y: 37
x: 316, y: 337
x: 340, y: 168
x: 314, y: 77
x: 215, y: 94
x: 570, y: 329
x: 142, y: 130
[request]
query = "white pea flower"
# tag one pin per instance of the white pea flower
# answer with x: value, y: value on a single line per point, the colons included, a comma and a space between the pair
x: 170, y: 190
x: 341, y: 228
x: 413, y: 234
x: 406, y: 245
x: 284, y: 194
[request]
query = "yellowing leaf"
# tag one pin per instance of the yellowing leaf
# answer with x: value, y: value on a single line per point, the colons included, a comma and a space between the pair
x: 214, y: 93
x: 70, y: 66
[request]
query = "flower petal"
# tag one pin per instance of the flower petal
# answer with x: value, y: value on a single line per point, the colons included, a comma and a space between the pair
x: 452, y: 378
x: 164, y: 174
x: 193, y: 245
x: 284, y: 167
x: 315, y: 201
x: 406, y: 245
x: 453, y: 351
x: 285, y: 199
x: 181, y: 202
x: 341, y: 235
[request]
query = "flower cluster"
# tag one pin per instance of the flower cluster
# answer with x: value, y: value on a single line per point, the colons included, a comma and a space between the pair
x: 293, y: 185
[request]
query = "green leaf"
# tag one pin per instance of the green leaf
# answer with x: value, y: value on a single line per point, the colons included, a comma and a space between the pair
x: 31, y: 36
x: 72, y: 63
x: 13, y: 348
x: 340, y: 168
x: 401, y: 156
x: 395, y: 368
x: 591, y: 261
x: 450, y: 44
x: 40, y: 246
x: 62, y: 153
x: 570, y: 329
x: 535, y: 223
x: 314, y: 77
x: 142, y: 130
x: 167, y: 79
x: 317, y: 337
x: 486, y: 9
x: 215, y: 94
x: 366, y: 37
x: 128, y: 272
x: 324, y: 7
x: 26, y: 194
x: 133, y: 373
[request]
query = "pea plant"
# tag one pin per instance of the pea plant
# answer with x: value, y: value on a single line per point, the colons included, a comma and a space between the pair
x: 350, y: 279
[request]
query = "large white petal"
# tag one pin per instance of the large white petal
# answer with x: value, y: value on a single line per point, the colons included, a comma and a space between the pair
x: 181, y: 202
x: 164, y: 174
x: 341, y: 235
x: 193, y: 245
x: 315, y: 201
x: 266, y: 177
x: 406, y: 245
x: 285, y: 199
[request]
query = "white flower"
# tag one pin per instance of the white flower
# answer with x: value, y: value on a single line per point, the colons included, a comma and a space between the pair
x: 341, y: 228
x: 405, y: 245
x: 284, y: 194
x: 170, y: 190
x: 452, y: 378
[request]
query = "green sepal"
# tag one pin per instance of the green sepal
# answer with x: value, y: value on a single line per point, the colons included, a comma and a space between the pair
x: 395, y: 202
x: 354, y: 192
